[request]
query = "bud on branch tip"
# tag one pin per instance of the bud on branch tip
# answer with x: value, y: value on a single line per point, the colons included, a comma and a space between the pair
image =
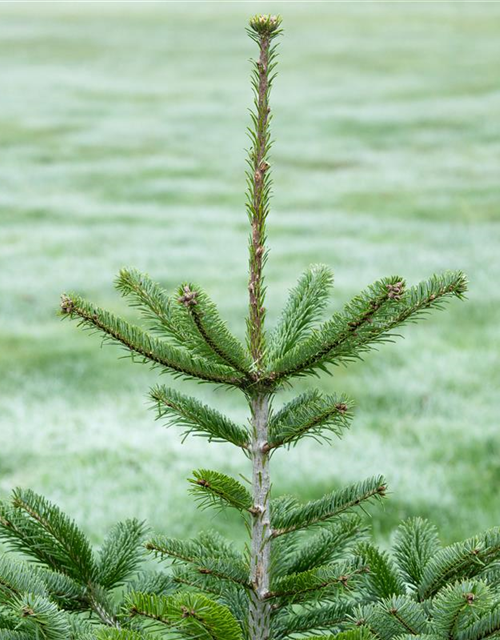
x: 265, y: 24
x: 66, y: 304
x: 188, y: 297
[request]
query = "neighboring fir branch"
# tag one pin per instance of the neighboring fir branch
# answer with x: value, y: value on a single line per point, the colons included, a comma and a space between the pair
x: 212, y: 329
x: 383, y: 580
x: 120, y: 634
x: 331, y: 543
x: 153, y: 301
x: 208, y: 554
x: 17, y: 577
x: 461, y: 611
x: 196, y: 418
x: 366, y: 321
x: 179, y: 363
x: 447, y: 598
x: 38, y: 528
x: 31, y: 616
x: 71, y: 576
x: 416, y: 542
x: 263, y: 30
x: 329, y: 506
x: 310, y: 414
x: 487, y: 626
x: 152, y: 582
x: 193, y: 615
x: 41, y: 618
x: 289, y: 621
x: 317, y: 584
x: 361, y: 633
x: 14, y: 634
x: 215, y: 488
x: 303, y: 308
x: 118, y: 556
x: 83, y: 628
x: 63, y: 590
x: 460, y: 561
x: 459, y: 605
x: 396, y: 616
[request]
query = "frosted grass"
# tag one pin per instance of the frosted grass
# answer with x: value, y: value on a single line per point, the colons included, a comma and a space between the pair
x: 122, y: 132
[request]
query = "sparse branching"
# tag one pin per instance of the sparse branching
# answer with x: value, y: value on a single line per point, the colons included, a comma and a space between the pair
x: 213, y: 487
x: 328, y: 507
x: 196, y: 418
x: 308, y: 568
x: 137, y: 342
x: 263, y: 30
x: 383, y: 579
x: 304, y: 307
x: 310, y: 414
x: 201, y: 321
x: 367, y: 320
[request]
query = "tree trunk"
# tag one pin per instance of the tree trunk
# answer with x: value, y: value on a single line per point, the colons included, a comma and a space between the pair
x: 259, y: 615
x: 260, y: 557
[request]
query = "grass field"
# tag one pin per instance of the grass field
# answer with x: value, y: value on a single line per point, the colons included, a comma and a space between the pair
x: 122, y: 129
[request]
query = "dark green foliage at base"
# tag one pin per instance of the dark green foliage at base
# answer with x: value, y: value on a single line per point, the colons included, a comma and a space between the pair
x: 63, y: 589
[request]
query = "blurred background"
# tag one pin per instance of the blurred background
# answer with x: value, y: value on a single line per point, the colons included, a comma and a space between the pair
x: 122, y: 129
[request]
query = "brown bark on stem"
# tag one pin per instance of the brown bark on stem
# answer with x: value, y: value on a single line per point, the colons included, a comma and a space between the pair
x: 258, y: 208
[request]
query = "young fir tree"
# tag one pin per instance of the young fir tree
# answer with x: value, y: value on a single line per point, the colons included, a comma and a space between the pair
x: 425, y: 590
x: 66, y: 591
x: 306, y: 569
x: 193, y: 342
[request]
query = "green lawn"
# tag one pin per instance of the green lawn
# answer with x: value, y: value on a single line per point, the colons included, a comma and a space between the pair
x: 122, y: 129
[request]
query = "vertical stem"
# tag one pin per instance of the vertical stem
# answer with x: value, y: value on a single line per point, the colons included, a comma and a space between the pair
x: 257, y: 204
x: 260, y: 613
x: 262, y: 29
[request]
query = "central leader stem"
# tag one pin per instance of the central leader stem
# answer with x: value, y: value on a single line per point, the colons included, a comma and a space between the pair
x: 259, y: 618
x: 264, y: 29
x: 259, y: 622
x: 258, y: 206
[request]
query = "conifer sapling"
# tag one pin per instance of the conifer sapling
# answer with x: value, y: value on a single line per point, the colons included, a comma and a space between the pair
x: 191, y: 341
x: 306, y: 567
